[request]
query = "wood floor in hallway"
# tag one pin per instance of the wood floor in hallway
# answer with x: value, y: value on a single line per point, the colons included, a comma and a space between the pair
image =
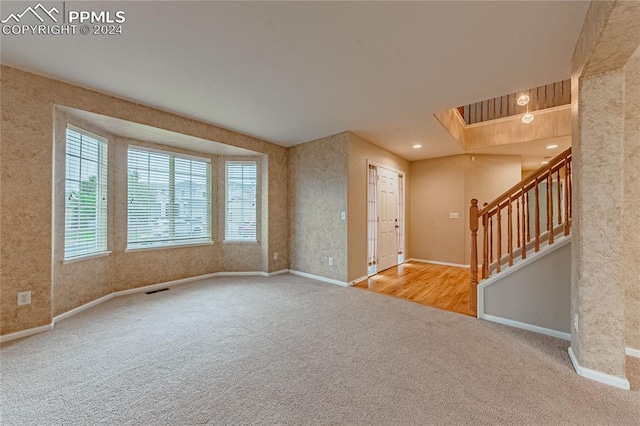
x: 443, y: 287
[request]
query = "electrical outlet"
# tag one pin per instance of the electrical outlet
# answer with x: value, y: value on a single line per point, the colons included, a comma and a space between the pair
x: 575, y: 321
x: 275, y: 255
x: 24, y: 298
x: 331, y: 261
x: 343, y: 215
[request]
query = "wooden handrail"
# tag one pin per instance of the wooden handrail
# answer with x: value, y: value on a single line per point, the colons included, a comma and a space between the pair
x: 556, y: 208
x: 556, y: 163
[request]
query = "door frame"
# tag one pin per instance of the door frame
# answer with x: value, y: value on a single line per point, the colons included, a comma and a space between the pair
x: 404, y: 204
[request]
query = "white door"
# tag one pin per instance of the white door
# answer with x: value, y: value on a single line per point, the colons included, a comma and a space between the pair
x: 387, y: 219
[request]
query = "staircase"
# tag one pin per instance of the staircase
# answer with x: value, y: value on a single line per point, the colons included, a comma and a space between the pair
x: 531, y: 215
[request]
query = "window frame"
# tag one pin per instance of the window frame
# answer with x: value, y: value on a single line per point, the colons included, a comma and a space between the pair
x: 102, y: 198
x: 171, y: 174
x: 255, y: 239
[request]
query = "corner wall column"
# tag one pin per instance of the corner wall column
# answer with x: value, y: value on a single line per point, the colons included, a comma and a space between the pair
x: 610, y: 35
x: 597, y: 290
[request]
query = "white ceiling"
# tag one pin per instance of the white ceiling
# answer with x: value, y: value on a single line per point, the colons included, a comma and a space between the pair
x: 290, y: 72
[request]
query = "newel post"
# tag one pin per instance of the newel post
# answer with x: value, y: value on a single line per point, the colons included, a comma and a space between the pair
x: 473, y: 225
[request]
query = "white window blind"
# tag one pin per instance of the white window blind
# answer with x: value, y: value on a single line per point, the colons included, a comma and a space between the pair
x: 85, y: 213
x: 240, y: 203
x: 169, y: 199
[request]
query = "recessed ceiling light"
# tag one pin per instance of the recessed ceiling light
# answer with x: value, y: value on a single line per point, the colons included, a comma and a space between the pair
x: 544, y: 163
x: 523, y: 99
x: 527, y: 118
x: 552, y: 146
x: 417, y: 146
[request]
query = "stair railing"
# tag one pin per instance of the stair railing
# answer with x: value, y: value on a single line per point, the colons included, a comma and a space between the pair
x: 537, y: 210
x: 541, y: 97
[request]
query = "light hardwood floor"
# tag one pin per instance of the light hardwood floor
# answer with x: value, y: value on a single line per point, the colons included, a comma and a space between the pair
x: 443, y: 287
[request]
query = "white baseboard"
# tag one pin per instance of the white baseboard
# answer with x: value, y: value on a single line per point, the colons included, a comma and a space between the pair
x: 529, y: 327
x: 160, y: 286
x: 280, y: 272
x: 598, y: 376
x: 152, y: 287
x: 359, y: 280
x: 26, y: 333
x: 436, y: 262
x: 632, y: 352
x: 84, y: 307
x: 241, y: 274
x: 319, y: 278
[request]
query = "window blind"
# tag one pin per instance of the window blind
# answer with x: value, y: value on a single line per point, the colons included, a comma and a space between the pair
x: 240, y: 203
x: 85, y: 222
x: 169, y: 199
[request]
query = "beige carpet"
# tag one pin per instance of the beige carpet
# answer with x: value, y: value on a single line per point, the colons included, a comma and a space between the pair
x: 287, y: 350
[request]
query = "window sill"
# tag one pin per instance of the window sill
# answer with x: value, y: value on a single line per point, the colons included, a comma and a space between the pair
x: 172, y: 246
x: 240, y: 242
x: 87, y: 257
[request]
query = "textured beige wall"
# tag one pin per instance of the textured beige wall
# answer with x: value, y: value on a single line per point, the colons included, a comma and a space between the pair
x: 631, y: 210
x: 360, y: 151
x: 446, y: 185
x: 609, y: 36
x: 598, y: 294
x: 25, y: 202
x: 594, y: 22
x: 318, y: 195
x: 26, y: 205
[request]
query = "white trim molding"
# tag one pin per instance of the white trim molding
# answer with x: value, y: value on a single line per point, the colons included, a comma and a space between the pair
x: 517, y: 266
x: 280, y: 272
x: 84, y: 307
x: 159, y: 286
x: 359, y: 280
x: 529, y: 327
x: 437, y: 262
x: 598, y: 376
x: 152, y: 287
x: 632, y: 352
x: 319, y: 278
x: 26, y: 333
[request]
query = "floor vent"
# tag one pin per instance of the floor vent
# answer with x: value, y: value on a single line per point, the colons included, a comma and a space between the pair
x: 156, y: 291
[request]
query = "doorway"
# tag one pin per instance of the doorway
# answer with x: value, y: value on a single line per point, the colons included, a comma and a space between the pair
x: 385, y: 218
